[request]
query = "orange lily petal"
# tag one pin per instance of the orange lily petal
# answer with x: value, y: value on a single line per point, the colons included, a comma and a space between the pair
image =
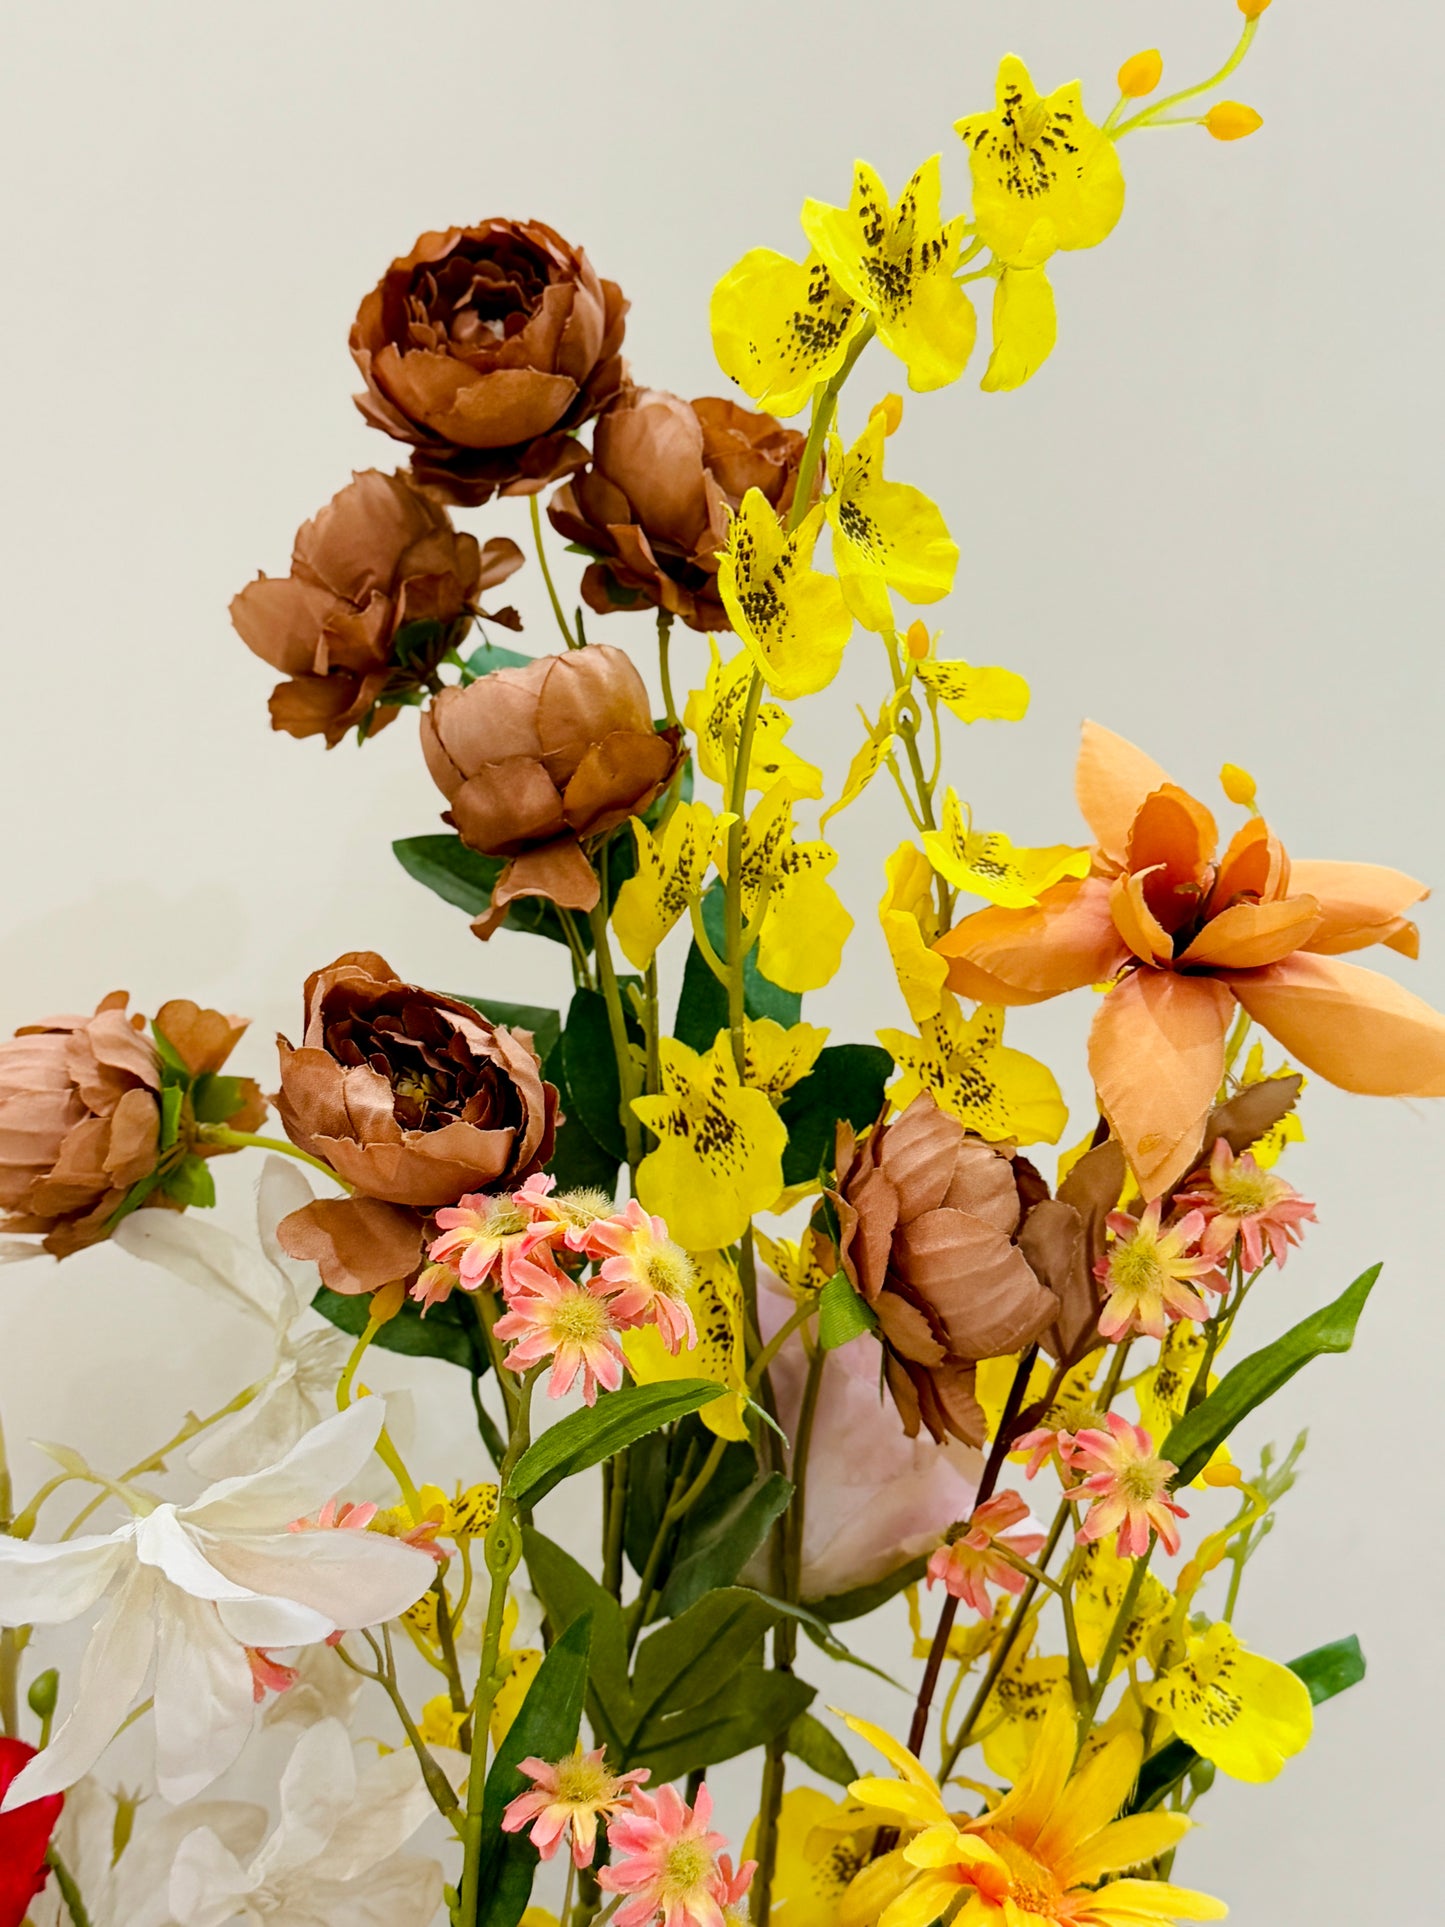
x: 1111, y: 780
x: 1064, y: 941
x: 1156, y: 1052
x: 1250, y: 935
x: 1353, y: 1027
x: 1361, y: 904
x: 1254, y: 865
x: 1174, y: 836
x: 1137, y: 923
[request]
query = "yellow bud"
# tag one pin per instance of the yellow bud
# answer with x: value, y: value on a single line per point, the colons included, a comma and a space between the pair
x: 1221, y: 1475
x: 1141, y: 74
x: 387, y: 1302
x: 917, y: 639
x: 1189, y: 1577
x: 891, y: 409
x: 1252, y: 9
x: 1238, y: 785
x: 1231, y: 120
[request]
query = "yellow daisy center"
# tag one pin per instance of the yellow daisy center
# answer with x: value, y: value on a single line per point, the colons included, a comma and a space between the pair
x: 1033, y: 1889
x: 582, y: 1782
x: 583, y: 1207
x: 1137, y: 1269
x: 688, y: 1865
x: 1244, y: 1192
x: 580, y: 1319
x: 668, y: 1270
x: 504, y: 1219
x: 1139, y: 1483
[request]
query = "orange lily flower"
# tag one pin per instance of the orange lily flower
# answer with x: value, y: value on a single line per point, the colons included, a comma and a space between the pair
x: 1182, y: 937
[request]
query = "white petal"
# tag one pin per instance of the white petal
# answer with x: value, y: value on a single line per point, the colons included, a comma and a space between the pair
x: 282, y: 1190
x: 163, y: 1542
x: 204, y: 1255
x: 326, y: 1688
x: 207, y: 1883
x: 261, y: 1432
x: 354, y: 1578
x: 46, y: 1585
x: 404, y: 1893
x: 205, y: 1705
x: 15, y: 1251
x: 111, y: 1675
x: 273, y: 1622
x: 142, y: 1882
x: 391, y: 1802
x: 317, y: 1468
x: 317, y: 1787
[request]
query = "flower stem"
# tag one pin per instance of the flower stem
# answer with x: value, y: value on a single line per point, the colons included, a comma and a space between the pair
x: 69, y: 1892
x: 241, y: 1140
x: 536, y: 513
x: 1149, y: 116
x: 616, y: 1025
x: 664, y: 667
x: 1116, y: 1639
x: 825, y: 403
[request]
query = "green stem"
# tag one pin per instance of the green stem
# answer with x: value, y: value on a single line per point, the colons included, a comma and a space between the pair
x: 581, y: 969
x: 617, y: 1469
x: 1147, y: 116
x: 617, y: 1027
x: 69, y: 1892
x: 243, y: 1140
x: 664, y: 666
x: 733, y: 888
x: 1116, y: 1638
x: 685, y: 1496
x: 534, y: 506
x: 825, y: 402
x: 776, y: 1343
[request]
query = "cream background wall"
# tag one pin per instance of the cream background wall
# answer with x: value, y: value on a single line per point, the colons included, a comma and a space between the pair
x: 1212, y: 521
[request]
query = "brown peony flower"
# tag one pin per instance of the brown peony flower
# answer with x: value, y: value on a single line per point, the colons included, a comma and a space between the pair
x: 533, y: 761
x: 413, y: 1099
x: 927, y: 1218
x: 486, y: 348
x: 381, y: 557
x: 653, y: 506
x: 83, y: 1118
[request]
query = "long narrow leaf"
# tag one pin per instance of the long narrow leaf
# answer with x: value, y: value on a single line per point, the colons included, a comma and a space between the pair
x: 586, y: 1438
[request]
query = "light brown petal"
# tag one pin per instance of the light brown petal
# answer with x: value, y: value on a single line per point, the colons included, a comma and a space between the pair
x: 1354, y: 1027
x: 1111, y: 780
x: 1156, y: 1052
x: 358, y: 1244
x: 1253, y: 934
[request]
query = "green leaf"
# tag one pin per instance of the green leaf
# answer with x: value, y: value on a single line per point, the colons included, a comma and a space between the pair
x: 730, y: 1539
x: 547, y: 1725
x: 449, y: 1330
x: 492, y: 655
x: 840, y: 1606
x: 215, y: 1097
x: 1326, y: 1671
x: 752, y: 1708
x: 683, y: 1662
x: 172, y: 1098
x: 812, y: 1743
x: 842, y: 1314
x: 702, y: 1007
x: 419, y: 644
x: 568, y: 1592
x: 591, y: 1068
x: 1193, y: 1441
x: 586, y: 1437
x: 544, y: 1024
x: 167, y: 1051
x: 846, y: 1082
x: 190, y: 1183
x: 824, y: 1638
x: 578, y: 1162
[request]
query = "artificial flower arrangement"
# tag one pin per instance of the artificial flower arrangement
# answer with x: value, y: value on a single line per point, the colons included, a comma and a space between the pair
x: 823, y: 1333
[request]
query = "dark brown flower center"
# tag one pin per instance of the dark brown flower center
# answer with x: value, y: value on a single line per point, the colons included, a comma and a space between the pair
x: 435, y: 1075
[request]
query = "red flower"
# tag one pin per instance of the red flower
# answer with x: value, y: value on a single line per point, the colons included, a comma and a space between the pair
x: 24, y: 1837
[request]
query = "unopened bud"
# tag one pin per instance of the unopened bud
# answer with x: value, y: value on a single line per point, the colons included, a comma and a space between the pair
x: 917, y: 640
x: 1238, y: 785
x: 1226, y: 1474
x: 1141, y: 74
x: 1231, y: 120
x: 386, y: 1303
x: 44, y: 1689
x: 1252, y: 9
x: 891, y: 409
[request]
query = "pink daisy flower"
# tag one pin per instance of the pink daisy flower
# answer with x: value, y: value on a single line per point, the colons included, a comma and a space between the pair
x: 484, y: 1234
x: 666, y: 1860
x: 1128, y: 1484
x: 979, y: 1559
x: 1239, y: 1200
x: 569, y: 1796
x: 1151, y: 1273
x: 1049, y: 1443
x: 564, y: 1319
x: 647, y: 1273
x: 573, y: 1213
x: 334, y: 1517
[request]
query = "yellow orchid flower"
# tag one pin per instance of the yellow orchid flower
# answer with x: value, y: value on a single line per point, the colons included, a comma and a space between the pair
x: 822, y: 1844
x: 986, y: 864
x: 440, y: 1723
x: 781, y: 327
x: 715, y: 1299
x: 1246, y: 1713
x: 719, y: 1156
x: 1017, y: 1707
x: 1025, y: 328
x: 800, y: 1266
x: 670, y: 875
x: 906, y: 914
x: 968, y: 1640
x: 1103, y: 1579
x: 1267, y: 1150
x: 886, y: 535
x: 714, y: 714
x: 971, y: 1074
x: 984, y: 695
x: 876, y: 750
x: 898, y: 263
x: 776, y: 1059
x: 792, y: 620
x: 1044, y: 176
x: 993, y: 1381
x: 804, y: 925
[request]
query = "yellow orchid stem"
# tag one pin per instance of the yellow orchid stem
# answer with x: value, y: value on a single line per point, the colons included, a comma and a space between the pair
x: 353, y: 1364
x: 385, y: 1450
x: 533, y: 504
x: 733, y: 888
x: 775, y: 1344
x: 664, y: 668
x: 616, y: 1024
x: 825, y: 402
x: 242, y: 1140
x: 1148, y: 116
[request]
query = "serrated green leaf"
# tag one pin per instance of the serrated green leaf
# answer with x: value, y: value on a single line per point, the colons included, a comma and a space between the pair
x: 586, y: 1437
x: 846, y: 1082
x: 843, y: 1314
x: 448, y: 1331
x: 1197, y: 1436
x: 172, y: 1097
x: 493, y: 655
x: 167, y: 1051
x: 812, y: 1743
x: 730, y: 1539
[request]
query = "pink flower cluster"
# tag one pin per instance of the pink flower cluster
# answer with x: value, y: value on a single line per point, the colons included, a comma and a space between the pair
x: 665, y: 1858
x: 1117, y: 1471
x: 573, y: 1273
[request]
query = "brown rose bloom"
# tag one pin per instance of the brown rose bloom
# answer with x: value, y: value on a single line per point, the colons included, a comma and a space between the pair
x: 653, y: 506
x: 80, y: 1114
x: 486, y: 347
x: 413, y: 1099
x: 533, y: 761
x: 381, y: 555
x: 927, y: 1218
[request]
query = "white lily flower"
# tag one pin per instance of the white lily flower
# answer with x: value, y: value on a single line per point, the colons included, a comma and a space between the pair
x: 269, y: 1287
x: 191, y: 1587
x: 333, y: 1856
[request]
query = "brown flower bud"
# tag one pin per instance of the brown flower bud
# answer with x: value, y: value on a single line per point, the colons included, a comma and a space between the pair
x: 81, y: 1114
x: 381, y: 556
x: 486, y: 347
x: 413, y: 1099
x: 927, y: 1215
x: 533, y: 761
x: 653, y: 506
